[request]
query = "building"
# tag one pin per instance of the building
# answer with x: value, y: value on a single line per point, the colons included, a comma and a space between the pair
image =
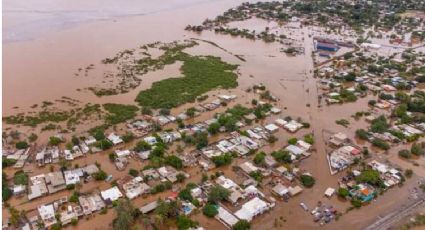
x: 47, y: 214
x: 252, y: 208
x: 111, y: 194
x: 55, y: 181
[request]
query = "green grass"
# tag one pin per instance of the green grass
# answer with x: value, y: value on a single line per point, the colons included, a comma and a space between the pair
x: 119, y: 113
x: 201, y: 74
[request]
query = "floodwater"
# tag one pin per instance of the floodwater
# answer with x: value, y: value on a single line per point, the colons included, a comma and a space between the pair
x: 46, y: 42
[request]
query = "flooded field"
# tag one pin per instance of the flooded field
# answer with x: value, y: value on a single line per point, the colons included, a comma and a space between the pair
x: 42, y: 53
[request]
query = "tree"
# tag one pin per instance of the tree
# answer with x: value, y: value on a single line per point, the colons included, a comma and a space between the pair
x: 292, y: 141
x: 33, y: 137
x: 100, y: 175
x: 369, y: 176
x: 242, y: 225
x: 185, y: 194
x: 15, y: 217
x: 21, y: 145
x: 8, y: 162
x: 180, y: 177
x: 214, y: 127
x: 309, y: 139
x: 74, y: 197
x: 55, y: 141
x: 147, y: 110
x: 356, y: 203
x: 417, y: 150
x: 224, y: 159
x: 404, y: 153
x: 307, y: 180
x: 167, y: 209
x: 191, y: 112
x: 20, y: 178
x: 75, y: 140
x: 104, y: 144
x: 174, y: 161
x: 408, y: 173
x: 164, y: 112
x: 201, y: 140
x: 99, y: 135
x: 6, y: 191
x: 218, y: 193
x: 127, y: 137
x: 210, y: 210
x: 379, y: 125
x: 380, y: 144
x: 362, y: 134
x: 260, y: 158
x: 142, y: 146
x: 125, y: 215
x: 133, y: 172
x: 282, y: 156
x: 185, y: 223
x: 343, y: 192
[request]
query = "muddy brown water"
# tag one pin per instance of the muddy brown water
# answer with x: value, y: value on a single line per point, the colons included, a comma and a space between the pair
x: 43, y: 68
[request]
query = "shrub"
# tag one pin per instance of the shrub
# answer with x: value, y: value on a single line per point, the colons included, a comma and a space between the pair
x: 404, y: 153
x: 307, y: 180
x: 309, y: 139
x: 133, y: 172
x: 174, y: 161
x: 343, y: 192
x: 210, y: 210
x: 21, y: 145
x: 380, y: 144
x: 242, y: 225
x: 259, y: 158
x: 224, y: 159
x: 292, y: 141
x: 362, y: 134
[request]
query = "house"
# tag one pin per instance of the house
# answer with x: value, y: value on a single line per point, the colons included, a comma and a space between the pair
x: 248, y: 167
x: 122, y: 153
x: 150, y: 140
x: 115, y: 139
x: 91, y: 203
x: 149, y: 207
x: 38, y: 187
x: 19, y: 189
x: 111, y: 194
x: 55, y: 181
x: 293, y: 126
x: 296, y: 152
x: 73, y: 176
x: 90, y: 140
x: 329, y: 192
x: 338, y: 139
x: 271, y: 128
x: 280, y: 190
x: 275, y: 110
x: 134, y: 187
x: 270, y: 161
x: 293, y: 191
x: 47, y: 214
x: 225, y: 217
x: 252, y: 208
x: 68, y: 215
x: 280, y: 122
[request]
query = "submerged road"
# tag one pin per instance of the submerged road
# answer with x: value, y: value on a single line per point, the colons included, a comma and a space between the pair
x: 397, y: 215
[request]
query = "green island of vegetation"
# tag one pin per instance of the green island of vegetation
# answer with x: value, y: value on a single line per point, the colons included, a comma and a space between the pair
x: 201, y: 74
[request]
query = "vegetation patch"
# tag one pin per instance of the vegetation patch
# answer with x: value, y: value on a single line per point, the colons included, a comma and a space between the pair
x: 201, y: 74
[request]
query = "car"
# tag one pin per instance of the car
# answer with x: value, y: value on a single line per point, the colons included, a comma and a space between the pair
x: 304, y: 206
x: 108, y: 178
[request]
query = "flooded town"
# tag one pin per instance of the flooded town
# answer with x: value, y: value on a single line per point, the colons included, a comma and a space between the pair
x: 204, y: 114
